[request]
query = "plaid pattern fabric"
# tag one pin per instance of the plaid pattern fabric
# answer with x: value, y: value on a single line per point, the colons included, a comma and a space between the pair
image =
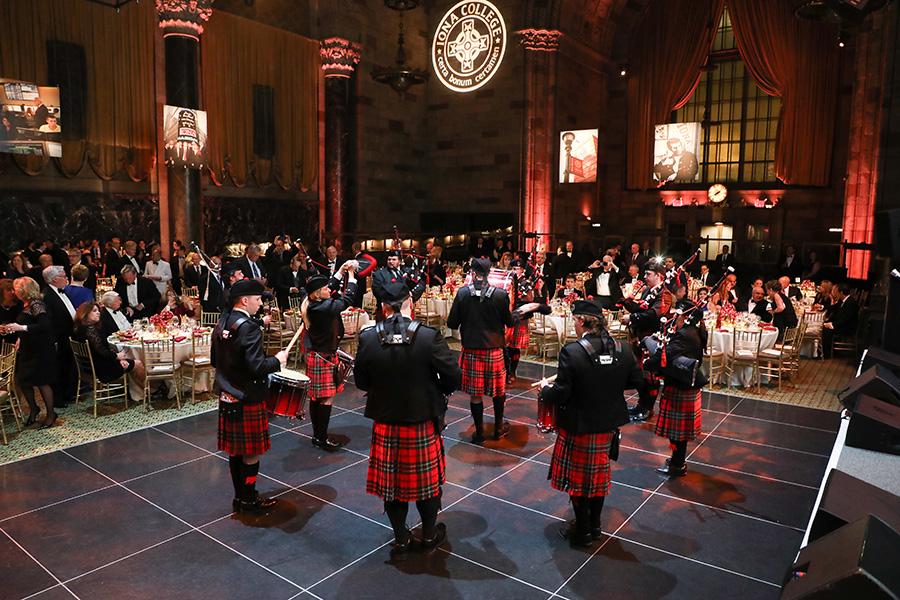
x: 679, y: 413
x: 517, y: 336
x: 321, y: 369
x: 483, y: 372
x: 580, y: 463
x: 243, y: 428
x: 406, y: 462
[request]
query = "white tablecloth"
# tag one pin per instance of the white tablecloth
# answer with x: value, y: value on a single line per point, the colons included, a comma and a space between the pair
x: 135, y: 351
x: 722, y: 342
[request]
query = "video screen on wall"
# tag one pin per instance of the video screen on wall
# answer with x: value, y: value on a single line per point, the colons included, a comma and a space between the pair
x: 184, y: 134
x: 30, y: 120
x: 578, y: 156
x: 676, y: 147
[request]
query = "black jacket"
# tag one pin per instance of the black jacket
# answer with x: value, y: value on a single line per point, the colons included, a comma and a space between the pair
x: 686, y: 343
x: 405, y: 383
x: 324, y: 324
x: 645, y: 321
x: 242, y: 368
x: 761, y: 309
x: 435, y: 273
x: 147, y: 295
x: 615, y: 291
x: 285, y: 281
x: 590, y: 398
x: 111, y: 263
x: 60, y: 319
x: 194, y: 275
x: 107, y: 324
x: 723, y: 262
x: 786, y: 318
x: 845, y: 316
x: 481, y: 321
x: 384, y: 276
x: 212, y: 293
x: 243, y: 264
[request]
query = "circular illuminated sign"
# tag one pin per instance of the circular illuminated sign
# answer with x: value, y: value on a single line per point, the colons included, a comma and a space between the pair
x: 468, y: 45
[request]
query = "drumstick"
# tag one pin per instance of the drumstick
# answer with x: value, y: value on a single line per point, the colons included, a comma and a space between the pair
x: 550, y: 379
x: 294, y: 339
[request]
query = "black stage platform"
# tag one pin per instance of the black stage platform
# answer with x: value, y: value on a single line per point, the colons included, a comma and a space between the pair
x: 146, y: 514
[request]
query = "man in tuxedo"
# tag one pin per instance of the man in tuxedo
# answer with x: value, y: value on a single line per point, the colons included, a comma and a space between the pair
x: 566, y: 261
x: 177, y: 265
x: 290, y: 282
x: 129, y: 257
x: 112, y: 319
x: 331, y: 264
x: 791, y: 291
x: 843, y: 321
x: 605, y: 283
x: 705, y: 277
x: 194, y: 272
x: 790, y: 265
x: 278, y: 255
x: 251, y: 266
x: 62, y: 316
x: 631, y: 278
x: 724, y: 260
x: 756, y: 304
x: 479, y: 249
x: 634, y: 257
x: 544, y: 272
x: 37, y: 272
x: 140, y: 299
x: 212, y: 291
x: 111, y: 258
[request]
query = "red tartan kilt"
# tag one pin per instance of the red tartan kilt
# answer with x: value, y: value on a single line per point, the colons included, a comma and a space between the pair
x: 406, y: 462
x: 517, y: 336
x: 243, y: 428
x: 679, y: 413
x: 320, y: 368
x: 580, y: 463
x: 483, y: 372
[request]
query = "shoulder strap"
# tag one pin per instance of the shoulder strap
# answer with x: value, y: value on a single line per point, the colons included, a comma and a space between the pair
x: 592, y: 352
x: 237, y: 324
x: 402, y: 339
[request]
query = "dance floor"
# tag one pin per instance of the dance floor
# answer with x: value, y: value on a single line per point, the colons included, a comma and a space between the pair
x: 146, y: 514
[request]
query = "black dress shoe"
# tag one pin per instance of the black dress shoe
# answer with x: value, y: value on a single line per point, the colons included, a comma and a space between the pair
x: 596, y: 533
x: 669, y: 471
x: 400, y: 549
x: 639, y: 416
x: 50, y: 421
x: 260, y: 506
x: 439, y: 537
x: 31, y: 418
x: 327, y: 444
x: 501, y: 431
x: 576, y: 540
x: 477, y: 438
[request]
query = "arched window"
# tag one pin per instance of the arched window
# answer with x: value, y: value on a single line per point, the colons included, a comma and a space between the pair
x: 739, y: 120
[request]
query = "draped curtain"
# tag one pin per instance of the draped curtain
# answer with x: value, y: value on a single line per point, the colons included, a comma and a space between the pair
x: 120, y: 119
x: 236, y: 55
x: 669, y: 46
x: 797, y: 61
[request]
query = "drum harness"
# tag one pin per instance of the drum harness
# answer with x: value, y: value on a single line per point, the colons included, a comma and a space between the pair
x: 605, y: 360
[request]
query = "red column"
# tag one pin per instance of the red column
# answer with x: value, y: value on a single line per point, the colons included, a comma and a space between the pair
x: 541, y: 47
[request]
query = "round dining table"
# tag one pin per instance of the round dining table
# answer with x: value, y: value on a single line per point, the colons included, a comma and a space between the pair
x: 134, y: 349
x: 723, y: 341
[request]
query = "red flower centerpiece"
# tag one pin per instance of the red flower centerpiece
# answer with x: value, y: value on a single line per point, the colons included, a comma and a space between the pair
x: 162, y: 320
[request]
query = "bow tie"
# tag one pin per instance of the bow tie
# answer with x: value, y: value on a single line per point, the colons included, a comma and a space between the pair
x: 155, y: 262
x: 61, y: 292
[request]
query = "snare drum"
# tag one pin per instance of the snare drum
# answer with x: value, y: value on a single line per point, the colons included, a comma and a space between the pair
x: 344, y: 366
x: 546, y: 416
x: 287, y: 394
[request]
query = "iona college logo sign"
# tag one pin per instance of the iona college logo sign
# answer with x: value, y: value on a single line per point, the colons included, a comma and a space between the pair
x: 469, y: 45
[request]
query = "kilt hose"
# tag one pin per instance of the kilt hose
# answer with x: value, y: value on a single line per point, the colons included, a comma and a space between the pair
x: 517, y: 336
x: 679, y: 413
x: 243, y: 427
x: 580, y: 463
x: 483, y: 372
x: 406, y: 462
x: 322, y: 372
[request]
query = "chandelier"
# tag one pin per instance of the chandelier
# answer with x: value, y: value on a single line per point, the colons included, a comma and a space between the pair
x: 400, y: 76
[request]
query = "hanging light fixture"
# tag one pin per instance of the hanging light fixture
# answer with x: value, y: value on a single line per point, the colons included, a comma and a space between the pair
x: 400, y: 76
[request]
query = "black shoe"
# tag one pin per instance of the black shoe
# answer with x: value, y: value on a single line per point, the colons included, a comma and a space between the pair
x: 439, y: 537
x: 596, y: 533
x: 576, y: 540
x: 501, y: 431
x: 327, y: 444
x: 236, y: 505
x: 401, y: 549
x: 669, y: 471
x: 260, y: 506
x: 477, y: 438
x: 31, y: 418
x: 50, y: 421
x: 510, y: 379
x: 639, y: 416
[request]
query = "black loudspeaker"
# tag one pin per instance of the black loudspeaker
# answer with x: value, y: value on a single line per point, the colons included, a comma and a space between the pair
x: 875, y: 425
x: 846, y: 499
x: 856, y: 562
x: 879, y: 356
x: 887, y: 233
x: 877, y: 382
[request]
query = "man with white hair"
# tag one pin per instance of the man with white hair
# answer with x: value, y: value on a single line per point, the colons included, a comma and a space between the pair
x: 62, y: 315
x: 251, y: 266
x: 112, y: 319
x: 129, y: 256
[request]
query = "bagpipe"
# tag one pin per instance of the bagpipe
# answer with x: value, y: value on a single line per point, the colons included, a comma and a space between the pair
x: 413, y: 265
x: 670, y: 277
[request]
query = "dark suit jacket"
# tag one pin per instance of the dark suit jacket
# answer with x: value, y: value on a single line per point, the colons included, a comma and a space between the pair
x: 214, y: 300
x: 193, y: 275
x: 563, y: 265
x: 111, y: 263
x: 148, y: 295
x: 845, y: 317
x: 795, y: 270
x: 107, y: 324
x: 285, y: 281
x: 615, y: 290
x: 60, y: 319
x: 629, y: 260
x: 244, y: 265
x: 723, y: 262
x: 759, y: 310
x: 710, y: 279
x: 405, y: 383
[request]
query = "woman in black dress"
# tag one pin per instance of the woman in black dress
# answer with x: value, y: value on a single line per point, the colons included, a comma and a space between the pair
x: 36, y: 360
x: 17, y: 267
x: 783, y: 314
x: 109, y: 364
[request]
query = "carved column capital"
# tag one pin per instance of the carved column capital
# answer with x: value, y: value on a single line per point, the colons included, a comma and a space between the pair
x: 183, y: 17
x: 339, y: 56
x: 540, y: 40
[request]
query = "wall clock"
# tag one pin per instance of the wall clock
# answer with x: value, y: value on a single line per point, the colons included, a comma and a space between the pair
x: 717, y: 193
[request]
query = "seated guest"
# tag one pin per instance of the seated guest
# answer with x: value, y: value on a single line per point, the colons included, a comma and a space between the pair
x: 843, y: 319
x: 77, y: 293
x: 112, y: 319
x: 630, y: 280
x: 822, y: 301
x: 140, y: 299
x: 177, y: 305
x: 783, y: 315
x: 37, y: 272
x: 756, y: 305
x: 17, y: 267
x: 705, y: 277
x: 290, y: 281
x: 109, y: 364
x: 504, y: 261
x: 568, y: 289
x: 157, y: 270
x: 724, y: 293
x: 10, y: 307
x: 791, y: 291
x: 703, y: 298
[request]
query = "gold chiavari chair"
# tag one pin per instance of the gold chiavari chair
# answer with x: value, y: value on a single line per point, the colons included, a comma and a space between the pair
x: 99, y: 390
x: 775, y: 362
x: 715, y: 360
x: 543, y: 337
x: 159, y: 360
x: 198, y: 363
x: 8, y: 399
x: 209, y: 318
x: 813, y: 330
x: 351, y: 330
x: 744, y: 353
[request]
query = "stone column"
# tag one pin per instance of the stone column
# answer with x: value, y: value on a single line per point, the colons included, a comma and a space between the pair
x: 541, y: 48
x: 182, y: 24
x: 339, y: 60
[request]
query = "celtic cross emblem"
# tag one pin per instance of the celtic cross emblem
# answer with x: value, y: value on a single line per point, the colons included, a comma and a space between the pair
x: 468, y: 45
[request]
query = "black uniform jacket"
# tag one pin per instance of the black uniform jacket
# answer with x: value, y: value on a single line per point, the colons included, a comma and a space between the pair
x: 324, y: 325
x: 688, y: 342
x: 405, y: 383
x: 590, y: 398
x: 645, y: 321
x: 242, y: 368
x: 481, y: 321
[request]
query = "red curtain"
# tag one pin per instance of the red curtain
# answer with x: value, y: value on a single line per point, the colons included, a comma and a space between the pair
x: 669, y: 46
x: 797, y: 61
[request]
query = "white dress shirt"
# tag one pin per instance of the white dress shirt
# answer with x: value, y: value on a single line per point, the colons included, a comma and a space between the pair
x: 751, y: 305
x: 121, y: 322
x: 132, y: 294
x: 67, y: 302
x: 603, y: 284
x: 163, y: 270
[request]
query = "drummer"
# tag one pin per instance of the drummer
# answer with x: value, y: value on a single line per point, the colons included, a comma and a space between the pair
x: 241, y: 371
x: 324, y: 330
